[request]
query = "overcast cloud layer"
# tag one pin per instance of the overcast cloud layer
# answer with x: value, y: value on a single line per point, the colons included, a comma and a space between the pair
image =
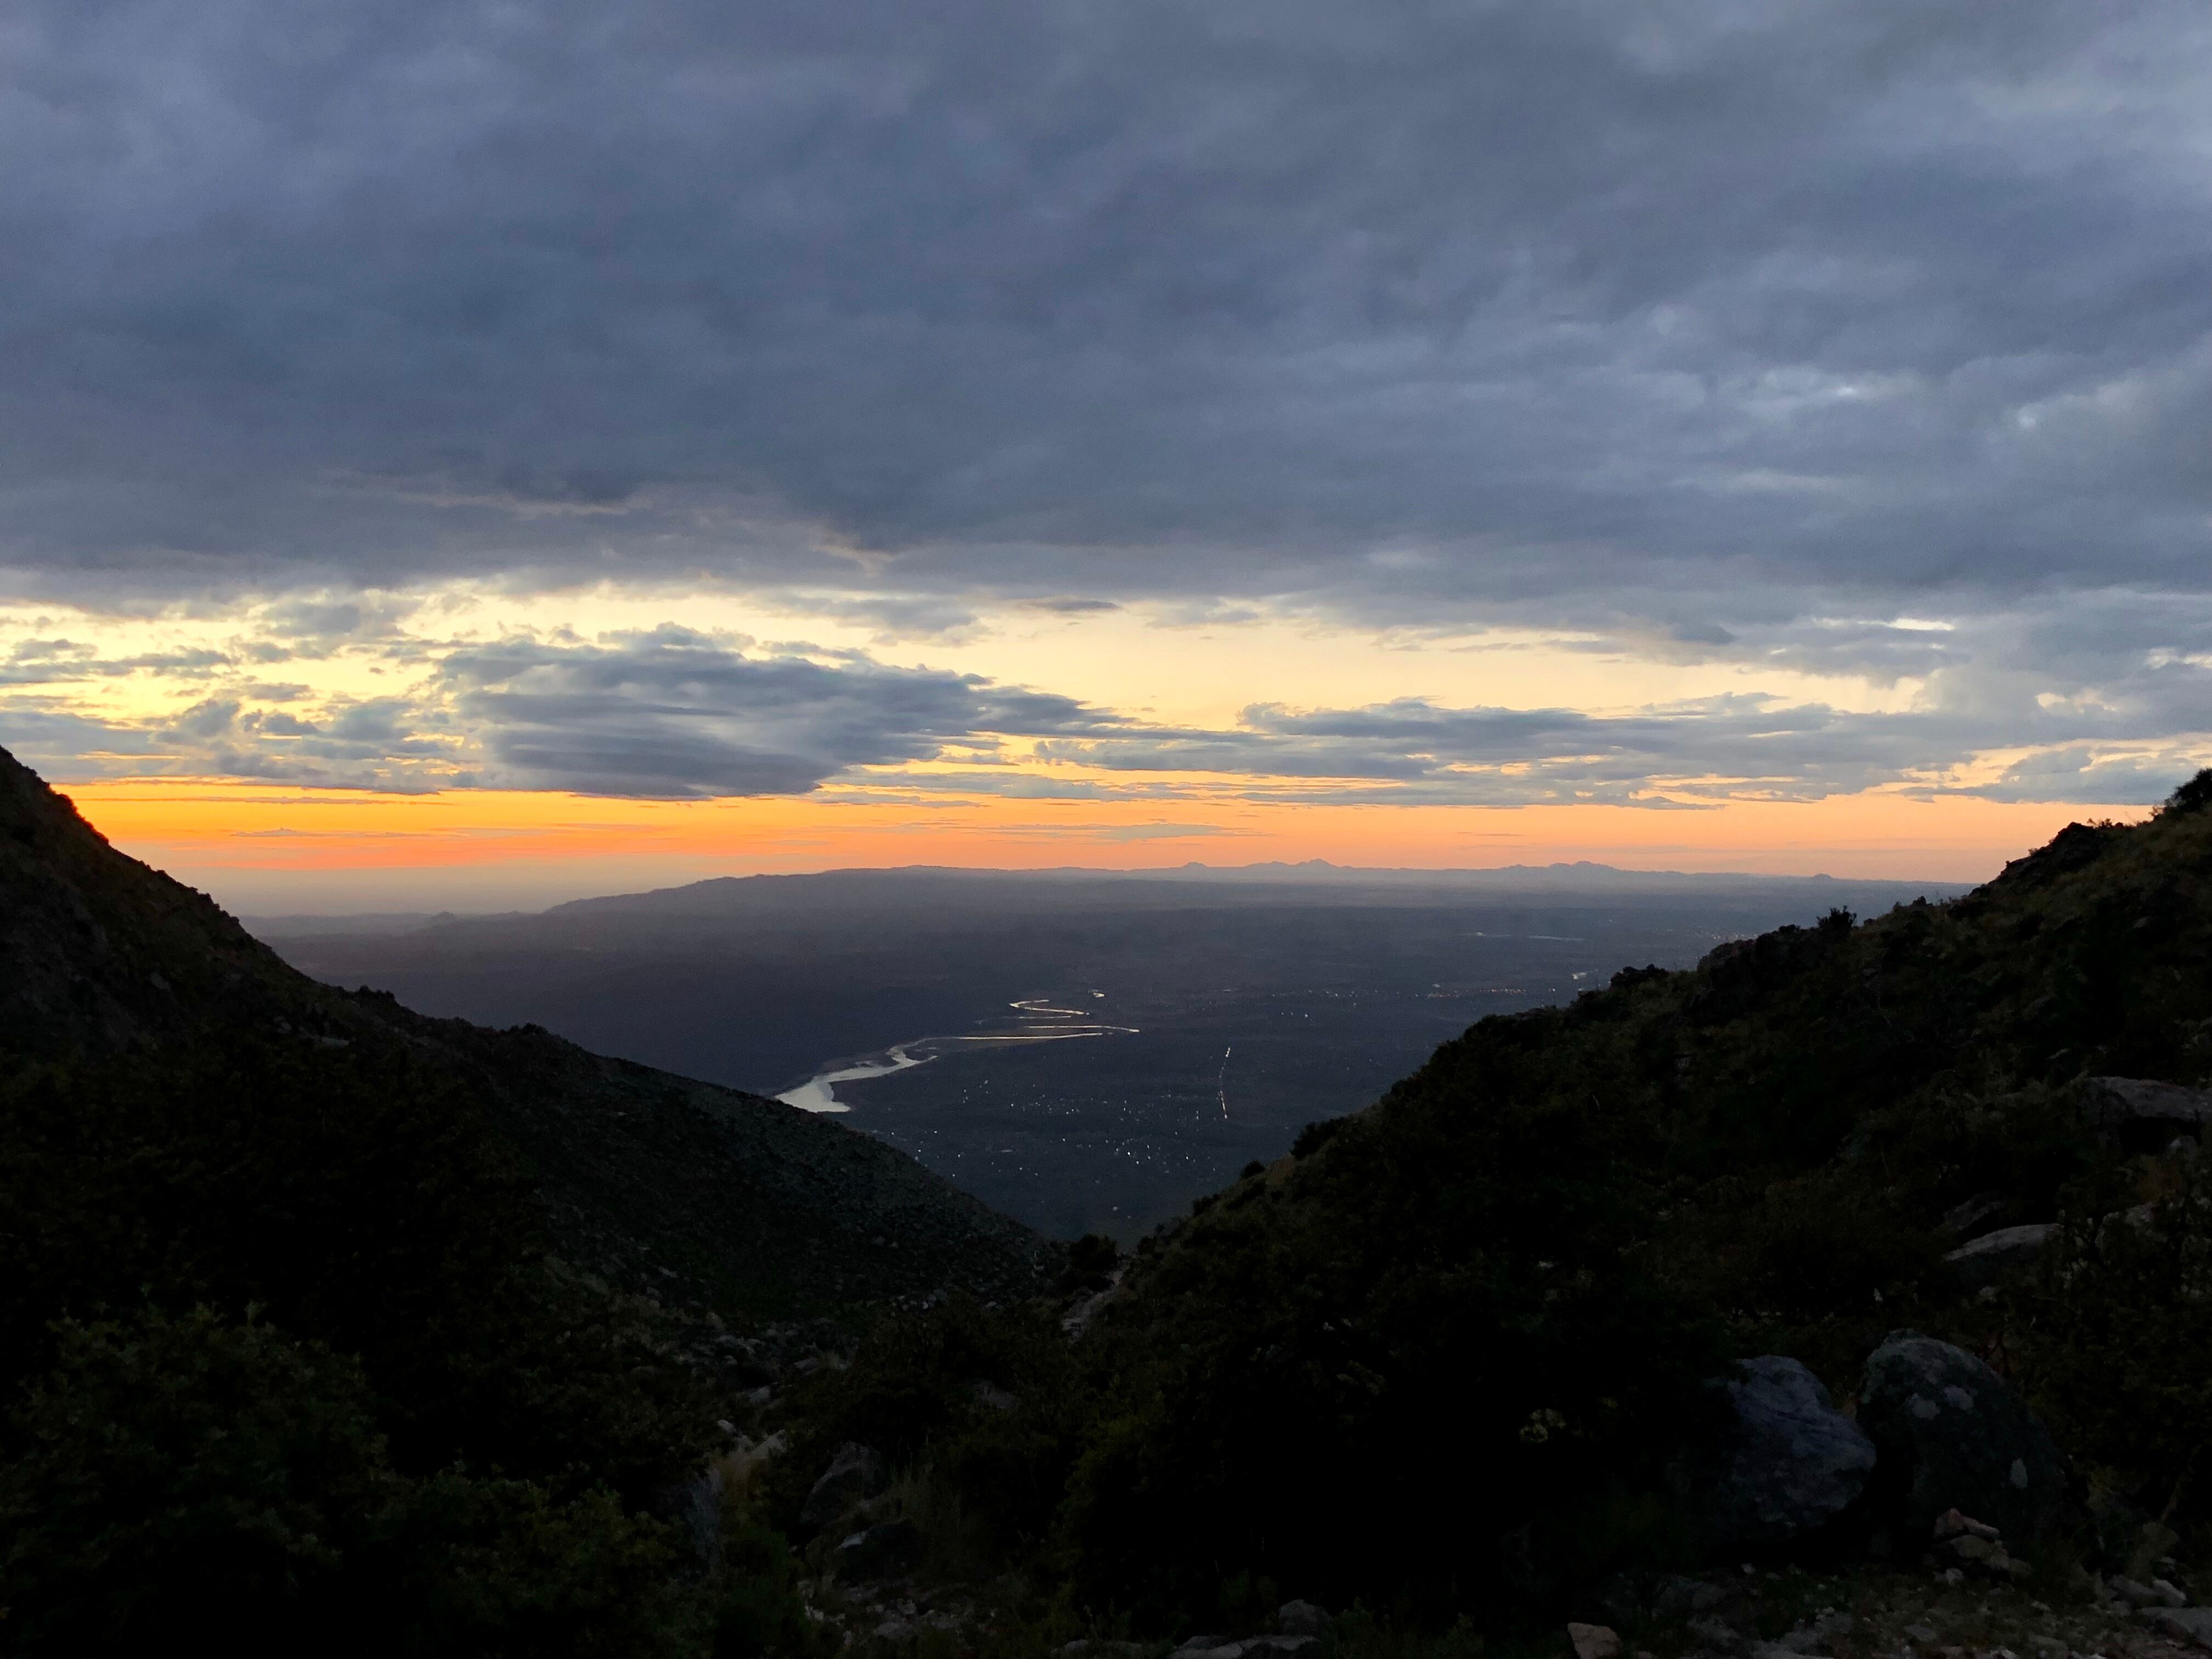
x: 1705, y: 322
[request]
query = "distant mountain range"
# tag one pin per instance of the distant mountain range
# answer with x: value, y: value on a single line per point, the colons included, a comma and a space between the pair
x: 773, y: 892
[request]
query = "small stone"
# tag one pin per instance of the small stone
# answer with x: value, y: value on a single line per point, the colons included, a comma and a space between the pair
x: 1594, y: 1641
x: 2169, y: 1592
x: 1950, y: 1524
x: 1921, y: 1633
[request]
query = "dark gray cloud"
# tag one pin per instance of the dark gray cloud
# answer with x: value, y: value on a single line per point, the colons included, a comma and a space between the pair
x: 667, y: 714
x: 1697, y: 317
x: 1711, y: 748
x: 674, y: 713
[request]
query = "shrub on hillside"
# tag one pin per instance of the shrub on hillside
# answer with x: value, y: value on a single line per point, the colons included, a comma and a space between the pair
x: 357, y: 1199
x: 194, y: 1478
x: 2114, y: 1335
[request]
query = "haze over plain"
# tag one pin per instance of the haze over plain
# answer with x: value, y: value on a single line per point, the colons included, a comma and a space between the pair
x: 1086, y: 1052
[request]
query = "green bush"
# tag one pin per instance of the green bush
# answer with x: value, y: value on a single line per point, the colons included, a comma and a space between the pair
x: 2114, y: 1335
x: 932, y: 1389
x: 1444, y: 1312
x: 357, y: 1199
x: 756, y: 1613
x: 179, y: 1475
x: 193, y: 1479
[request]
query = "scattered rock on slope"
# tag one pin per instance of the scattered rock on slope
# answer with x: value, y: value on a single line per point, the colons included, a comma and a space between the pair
x: 1788, y: 1461
x: 2142, y: 1115
x: 1983, y: 1261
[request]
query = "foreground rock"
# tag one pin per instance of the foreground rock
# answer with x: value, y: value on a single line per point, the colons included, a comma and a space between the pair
x: 1953, y: 1436
x: 1788, y: 1464
x: 1974, y: 1547
x: 1299, y: 1626
x: 1983, y: 1261
x: 2141, y: 1116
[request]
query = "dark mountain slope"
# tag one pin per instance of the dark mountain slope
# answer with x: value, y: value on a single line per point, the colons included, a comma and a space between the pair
x: 1443, y: 1357
x: 103, y: 954
x: 1511, y: 1275
x: 325, y: 1327
x: 722, y: 1199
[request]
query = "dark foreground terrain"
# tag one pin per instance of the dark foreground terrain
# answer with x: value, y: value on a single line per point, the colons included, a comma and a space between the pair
x: 1851, y: 1292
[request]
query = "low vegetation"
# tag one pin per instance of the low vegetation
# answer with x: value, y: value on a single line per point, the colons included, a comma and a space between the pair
x: 1440, y: 1359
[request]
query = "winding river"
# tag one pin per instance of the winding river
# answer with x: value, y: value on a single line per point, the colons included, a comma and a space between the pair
x: 1034, y: 1020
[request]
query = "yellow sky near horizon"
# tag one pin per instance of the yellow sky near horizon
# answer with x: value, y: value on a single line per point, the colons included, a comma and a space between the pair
x: 986, y: 801
x: 257, y: 849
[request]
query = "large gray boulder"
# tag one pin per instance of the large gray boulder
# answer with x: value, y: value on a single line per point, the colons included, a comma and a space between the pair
x: 1953, y: 1436
x: 1787, y: 1462
x: 855, y: 1474
x: 2143, y: 1116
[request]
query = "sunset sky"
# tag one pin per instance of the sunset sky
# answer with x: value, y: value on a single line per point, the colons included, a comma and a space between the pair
x: 473, y: 454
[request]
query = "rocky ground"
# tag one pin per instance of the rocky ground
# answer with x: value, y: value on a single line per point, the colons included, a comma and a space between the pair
x: 1862, y: 1612
x: 1921, y: 1613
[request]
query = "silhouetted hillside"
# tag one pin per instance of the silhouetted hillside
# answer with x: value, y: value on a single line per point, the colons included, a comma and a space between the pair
x: 750, y: 1205
x: 328, y: 1327
x: 1452, y: 1353
x: 331, y: 1325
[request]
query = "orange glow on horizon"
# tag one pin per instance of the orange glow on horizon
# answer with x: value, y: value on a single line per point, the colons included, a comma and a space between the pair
x: 233, y: 835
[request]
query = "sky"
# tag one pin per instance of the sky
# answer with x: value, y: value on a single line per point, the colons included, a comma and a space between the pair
x: 479, y: 452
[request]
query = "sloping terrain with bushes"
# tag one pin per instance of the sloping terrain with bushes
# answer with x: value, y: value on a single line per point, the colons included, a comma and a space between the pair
x: 1449, y: 1357
x: 334, y: 1325
x: 325, y: 1324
